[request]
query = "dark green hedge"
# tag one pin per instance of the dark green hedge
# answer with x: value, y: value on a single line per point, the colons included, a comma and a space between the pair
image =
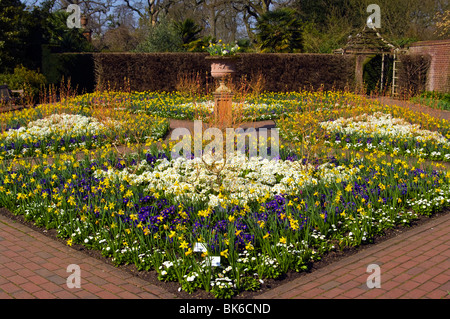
x: 78, y: 67
x: 162, y: 71
x: 282, y: 72
x: 146, y: 71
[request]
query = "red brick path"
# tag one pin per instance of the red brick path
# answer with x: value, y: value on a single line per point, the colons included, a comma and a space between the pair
x: 415, y: 264
x: 34, y: 266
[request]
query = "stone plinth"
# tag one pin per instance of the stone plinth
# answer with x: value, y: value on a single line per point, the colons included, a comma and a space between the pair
x: 223, y: 109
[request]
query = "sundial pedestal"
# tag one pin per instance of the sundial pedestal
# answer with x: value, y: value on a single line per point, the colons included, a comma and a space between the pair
x: 223, y: 109
x: 222, y: 68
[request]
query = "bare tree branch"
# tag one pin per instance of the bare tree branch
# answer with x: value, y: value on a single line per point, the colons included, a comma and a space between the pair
x: 134, y: 9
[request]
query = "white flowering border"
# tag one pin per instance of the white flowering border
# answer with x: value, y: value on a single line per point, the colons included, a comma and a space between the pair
x: 251, y: 111
x: 70, y: 124
x: 243, y: 179
x: 386, y: 126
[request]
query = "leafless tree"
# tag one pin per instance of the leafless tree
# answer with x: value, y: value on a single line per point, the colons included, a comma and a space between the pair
x: 97, y: 12
x: 151, y: 9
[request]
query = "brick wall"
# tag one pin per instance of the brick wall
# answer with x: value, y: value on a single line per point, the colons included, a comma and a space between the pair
x: 438, y: 78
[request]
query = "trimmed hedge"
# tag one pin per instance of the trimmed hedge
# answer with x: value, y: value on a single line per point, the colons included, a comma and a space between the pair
x: 162, y: 71
x: 282, y: 72
x: 291, y: 72
x: 78, y: 67
x: 146, y: 71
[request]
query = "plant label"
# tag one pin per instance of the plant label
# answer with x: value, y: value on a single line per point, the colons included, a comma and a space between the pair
x: 199, y: 248
x: 213, y: 261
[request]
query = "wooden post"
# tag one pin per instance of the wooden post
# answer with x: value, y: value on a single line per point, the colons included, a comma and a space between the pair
x: 359, y: 70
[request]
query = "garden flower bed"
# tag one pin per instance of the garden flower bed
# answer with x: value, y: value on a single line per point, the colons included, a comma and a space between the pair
x: 50, y: 130
x: 177, y: 105
x: 240, y: 181
x: 57, y: 131
x: 393, y: 135
x: 262, y: 238
x: 221, y: 230
x: 370, y: 126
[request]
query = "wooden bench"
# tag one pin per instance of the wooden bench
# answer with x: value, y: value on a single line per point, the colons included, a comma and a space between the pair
x: 19, y: 92
x: 9, y: 96
x: 10, y: 99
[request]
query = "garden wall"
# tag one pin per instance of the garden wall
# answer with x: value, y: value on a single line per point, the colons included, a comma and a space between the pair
x: 439, y: 71
x: 281, y: 72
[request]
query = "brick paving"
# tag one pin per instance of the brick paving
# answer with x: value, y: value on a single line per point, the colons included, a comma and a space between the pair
x: 415, y: 264
x: 33, y: 265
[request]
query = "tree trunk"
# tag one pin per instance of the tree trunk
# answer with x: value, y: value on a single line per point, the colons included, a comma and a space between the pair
x: 250, y: 33
x: 153, y: 12
x: 212, y: 21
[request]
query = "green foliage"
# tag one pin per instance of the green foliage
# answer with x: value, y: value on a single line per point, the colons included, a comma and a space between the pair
x: 401, y: 24
x: 199, y: 44
x: 326, y: 38
x: 280, y: 31
x: 245, y: 45
x: 24, y: 79
x: 436, y: 95
x: 404, y: 42
x: 434, y: 99
x: 23, y: 32
x: 163, y: 37
x: 12, y: 33
x: 188, y: 30
x: 58, y: 34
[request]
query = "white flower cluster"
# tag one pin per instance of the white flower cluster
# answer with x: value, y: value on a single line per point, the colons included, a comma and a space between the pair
x: 426, y: 205
x: 254, y: 107
x: 191, y: 277
x: 166, y: 265
x: 72, y: 124
x: 382, y: 125
x: 222, y: 281
x: 267, y: 261
x: 242, y: 179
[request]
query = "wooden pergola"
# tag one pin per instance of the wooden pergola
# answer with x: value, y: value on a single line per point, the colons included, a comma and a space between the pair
x: 365, y: 45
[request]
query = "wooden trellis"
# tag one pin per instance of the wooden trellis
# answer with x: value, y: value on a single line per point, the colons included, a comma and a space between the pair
x: 367, y: 43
